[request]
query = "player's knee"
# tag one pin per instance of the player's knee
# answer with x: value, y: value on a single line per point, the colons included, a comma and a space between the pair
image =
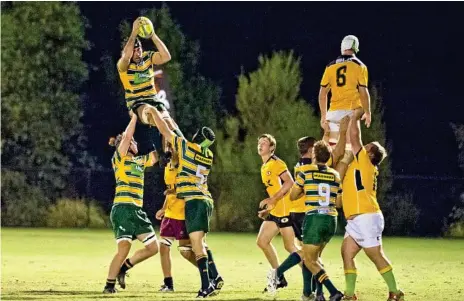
x: 262, y: 243
x: 152, y: 248
x: 290, y: 247
x: 185, y: 251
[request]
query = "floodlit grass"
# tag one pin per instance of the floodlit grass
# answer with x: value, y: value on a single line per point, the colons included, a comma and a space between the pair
x: 45, y: 264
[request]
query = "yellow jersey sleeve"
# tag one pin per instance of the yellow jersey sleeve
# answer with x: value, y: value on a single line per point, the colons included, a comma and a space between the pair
x: 279, y: 167
x: 362, y: 77
x: 325, y: 78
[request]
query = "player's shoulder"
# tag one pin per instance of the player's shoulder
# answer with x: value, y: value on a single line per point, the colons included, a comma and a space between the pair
x: 302, y: 162
x: 346, y: 58
x: 333, y: 171
x: 308, y: 168
x: 276, y: 161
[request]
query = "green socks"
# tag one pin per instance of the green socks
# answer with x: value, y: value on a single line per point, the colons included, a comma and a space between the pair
x: 350, y: 282
x: 291, y: 261
x: 387, y: 274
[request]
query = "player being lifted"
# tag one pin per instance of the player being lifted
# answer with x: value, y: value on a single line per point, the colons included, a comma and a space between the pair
x: 128, y: 219
x: 276, y: 213
x: 346, y: 78
x: 365, y: 222
x: 321, y: 187
x: 195, y: 161
x: 136, y: 70
x: 173, y: 223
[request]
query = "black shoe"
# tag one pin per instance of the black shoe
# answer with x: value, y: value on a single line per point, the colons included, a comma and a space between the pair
x: 109, y: 290
x: 282, y: 282
x: 205, y: 293
x: 121, y: 278
x: 320, y: 298
x: 337, y: 297
x: 218, y: 283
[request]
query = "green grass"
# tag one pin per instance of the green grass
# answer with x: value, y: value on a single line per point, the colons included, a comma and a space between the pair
x: 44, y: 264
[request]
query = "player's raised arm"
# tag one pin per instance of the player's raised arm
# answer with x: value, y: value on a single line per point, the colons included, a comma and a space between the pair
x: 162, y: 125
x: 162, y: 55
x: 355, y: 132
x: 126, y: 55
x: 364, y: 95
x: 127, y: 136
x: 323, y: 92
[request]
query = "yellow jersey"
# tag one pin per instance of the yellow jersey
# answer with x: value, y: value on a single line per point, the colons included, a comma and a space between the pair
x: 344, y: 76
x: 175, y: 208
x: 129, y: 174
x: 322, y: 186
x: 139, y: 80
x: 194, y: 167
x: 270, y: 175
x: 360, y: 186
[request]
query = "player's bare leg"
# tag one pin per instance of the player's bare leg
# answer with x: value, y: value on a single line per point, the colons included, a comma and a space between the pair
x: 383, y: 265
x: 124, y: 247
x: 150, y: 249
x: 312, y: 254
x: 276, y: 278
x: 185, y: 249
x: 165, y: 258
x: 349, y: 251
x: 266, y: 233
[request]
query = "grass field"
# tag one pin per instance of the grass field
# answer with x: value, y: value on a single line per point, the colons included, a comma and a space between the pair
x: 43, y: 264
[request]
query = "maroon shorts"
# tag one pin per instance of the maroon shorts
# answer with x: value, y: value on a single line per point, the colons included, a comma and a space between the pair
x: 173, y: 228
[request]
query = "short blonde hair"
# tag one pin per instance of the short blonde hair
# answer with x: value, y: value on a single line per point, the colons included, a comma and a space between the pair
x: 271, y: 139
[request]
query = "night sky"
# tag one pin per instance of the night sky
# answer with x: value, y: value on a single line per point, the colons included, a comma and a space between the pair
x: 414, y: 50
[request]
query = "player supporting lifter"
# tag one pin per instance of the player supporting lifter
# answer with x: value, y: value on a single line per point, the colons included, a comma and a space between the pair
x: 195, y: 161
x: 365, y: 222
x: 346, y: 77
x: 128, y: 219
x: 321, y: 187
x: 173, y: 224
x: 136, y: 70
x: 276, y: 213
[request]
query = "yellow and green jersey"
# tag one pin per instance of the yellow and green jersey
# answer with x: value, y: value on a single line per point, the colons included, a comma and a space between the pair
x: 139, y: 80
x: 129, y: 174
x: 299, y: 205
x: 322, y: 186
x: 194, y: 167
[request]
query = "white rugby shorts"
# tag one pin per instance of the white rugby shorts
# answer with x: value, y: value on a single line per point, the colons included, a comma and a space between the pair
x: 366, y: 229
x: 334, y: 118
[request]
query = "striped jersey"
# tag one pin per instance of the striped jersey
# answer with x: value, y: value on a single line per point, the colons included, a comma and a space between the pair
x: 129, y: 174
x: 194, y: 167
x: 139, y: 80
x: 322, y: 186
